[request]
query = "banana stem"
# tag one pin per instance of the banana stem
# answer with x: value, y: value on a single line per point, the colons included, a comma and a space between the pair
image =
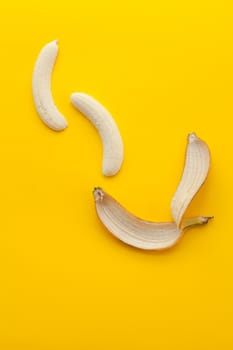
x: 197, y: 220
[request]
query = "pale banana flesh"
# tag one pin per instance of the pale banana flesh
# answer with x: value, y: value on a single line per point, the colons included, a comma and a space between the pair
x: 113, y: 150
x: 197, y: 163
x: 137, y: 232
x: 41, y: 88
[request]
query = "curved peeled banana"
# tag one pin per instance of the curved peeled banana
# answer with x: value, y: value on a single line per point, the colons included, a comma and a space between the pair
x: 137, y: 232
x: 195, y: 171
x: 41, y: 88
x: 113, y: 150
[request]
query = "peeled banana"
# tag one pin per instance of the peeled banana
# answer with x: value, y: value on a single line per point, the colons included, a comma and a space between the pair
x: 41, y: 88
x: 113, y: 150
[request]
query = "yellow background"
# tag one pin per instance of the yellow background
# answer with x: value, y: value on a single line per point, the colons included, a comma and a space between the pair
x: 163, y: 69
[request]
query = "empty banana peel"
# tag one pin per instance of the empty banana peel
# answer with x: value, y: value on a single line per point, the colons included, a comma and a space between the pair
x: 137, y: 232
x: 159, y: 235
x: 197, y: 163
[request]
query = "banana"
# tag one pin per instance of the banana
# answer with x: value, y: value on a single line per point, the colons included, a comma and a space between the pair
x: 41, y: 88
x: 113, y: 151
x: 137, y: 232
x: 197, y: 163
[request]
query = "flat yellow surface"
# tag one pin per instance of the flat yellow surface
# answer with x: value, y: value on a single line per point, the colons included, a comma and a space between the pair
x: 163, y: 69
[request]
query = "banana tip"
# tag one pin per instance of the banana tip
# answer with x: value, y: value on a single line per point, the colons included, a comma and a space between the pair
x: 53, y: 42
x: 206, y: 219
x: 75, y: 97
x: 98, y: 194
x: 192, y: 137
x: 72, y: 96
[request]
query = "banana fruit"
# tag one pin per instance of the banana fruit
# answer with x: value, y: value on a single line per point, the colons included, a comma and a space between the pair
x: 113, y: 150
x: 159, y: 235
x: 137, y: 232
x: 41, y: 88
